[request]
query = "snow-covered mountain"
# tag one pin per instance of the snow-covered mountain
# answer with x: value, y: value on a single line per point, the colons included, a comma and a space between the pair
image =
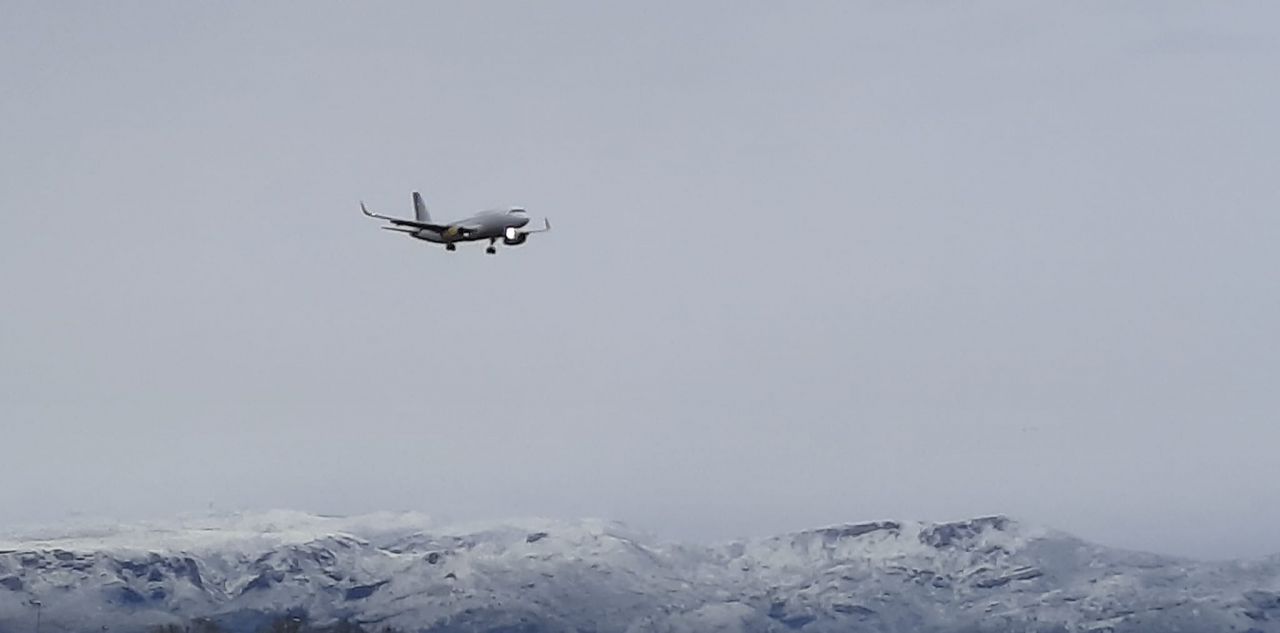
x: 404, y: 572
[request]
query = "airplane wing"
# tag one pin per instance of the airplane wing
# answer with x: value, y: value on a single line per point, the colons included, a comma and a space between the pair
x: 452, y: 231
x: 440, y: 228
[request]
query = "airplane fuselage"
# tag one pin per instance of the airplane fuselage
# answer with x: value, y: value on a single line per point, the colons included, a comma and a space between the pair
x: 487, y: 225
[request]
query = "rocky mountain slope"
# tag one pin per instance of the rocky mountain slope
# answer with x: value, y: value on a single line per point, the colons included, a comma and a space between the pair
x: 401, y: 571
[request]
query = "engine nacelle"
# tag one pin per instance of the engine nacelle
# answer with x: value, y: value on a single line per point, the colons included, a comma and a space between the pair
x: 513, y: 237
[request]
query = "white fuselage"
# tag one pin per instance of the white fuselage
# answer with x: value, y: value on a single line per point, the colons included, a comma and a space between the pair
x: 486, y: 225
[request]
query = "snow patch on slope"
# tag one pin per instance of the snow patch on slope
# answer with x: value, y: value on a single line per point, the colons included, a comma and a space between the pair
x: 201, y: 533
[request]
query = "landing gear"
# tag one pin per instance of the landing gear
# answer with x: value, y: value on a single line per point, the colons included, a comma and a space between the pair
x: 492, y: 249
x: 450, y: 247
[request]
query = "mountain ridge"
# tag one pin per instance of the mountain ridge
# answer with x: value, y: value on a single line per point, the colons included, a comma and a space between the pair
x: 411, y: 573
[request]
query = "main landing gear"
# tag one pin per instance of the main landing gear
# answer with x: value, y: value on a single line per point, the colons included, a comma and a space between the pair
x: 492, y: 249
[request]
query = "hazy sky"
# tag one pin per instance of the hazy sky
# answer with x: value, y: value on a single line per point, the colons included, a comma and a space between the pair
x: 811, y: 263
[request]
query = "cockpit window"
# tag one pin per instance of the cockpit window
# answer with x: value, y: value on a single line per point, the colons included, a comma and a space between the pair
x: 516, y: 210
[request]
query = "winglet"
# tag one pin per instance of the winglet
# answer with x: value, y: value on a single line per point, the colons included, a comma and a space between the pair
x: 371, y: 214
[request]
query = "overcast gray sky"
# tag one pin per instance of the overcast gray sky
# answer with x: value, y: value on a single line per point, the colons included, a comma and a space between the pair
x: 812, y: 263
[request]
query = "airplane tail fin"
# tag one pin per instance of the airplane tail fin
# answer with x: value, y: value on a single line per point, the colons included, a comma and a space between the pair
x: 420, y: 209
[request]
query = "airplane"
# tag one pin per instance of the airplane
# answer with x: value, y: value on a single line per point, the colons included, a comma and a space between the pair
x: 505, y: 224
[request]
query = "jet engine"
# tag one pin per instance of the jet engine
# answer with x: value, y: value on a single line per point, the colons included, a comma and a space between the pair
x: 514, y: 236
